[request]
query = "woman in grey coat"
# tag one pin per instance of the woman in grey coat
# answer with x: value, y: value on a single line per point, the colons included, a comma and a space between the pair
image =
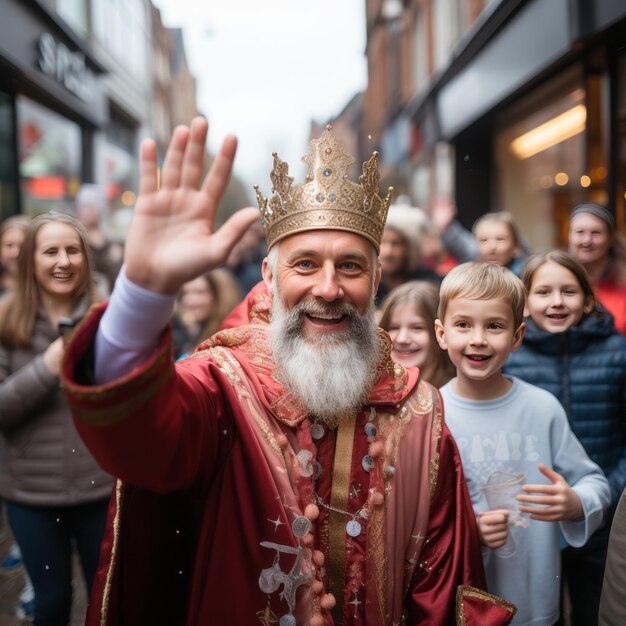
x: 55, y: 493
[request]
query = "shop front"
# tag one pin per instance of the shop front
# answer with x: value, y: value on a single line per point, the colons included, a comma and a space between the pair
x: 543, y: 122
x: 50, y: 106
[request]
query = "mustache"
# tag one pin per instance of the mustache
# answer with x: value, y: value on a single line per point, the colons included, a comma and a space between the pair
x: 295, y: 317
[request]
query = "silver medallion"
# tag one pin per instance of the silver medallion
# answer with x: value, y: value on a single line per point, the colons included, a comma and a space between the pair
x: 301, y: 526
x: 269, y: 581
x: 304, y: 458
x: 318, y: 470
x: 317, y: 431
x: 353, y: 528
x: 370, y: 429
x: 287, y: 620
x: 368, y: 463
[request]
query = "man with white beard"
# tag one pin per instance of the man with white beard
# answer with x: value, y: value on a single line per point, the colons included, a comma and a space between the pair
x: 288, y: 472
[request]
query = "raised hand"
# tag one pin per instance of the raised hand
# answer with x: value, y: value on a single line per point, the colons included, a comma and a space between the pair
x: 442, y: 213
x: 554, y: 502
x: 493, y: 527
x: 171, y: 238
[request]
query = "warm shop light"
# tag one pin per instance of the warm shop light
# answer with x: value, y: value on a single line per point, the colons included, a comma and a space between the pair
x: 128, y: 198
x: 585, y: 181
x: 550, y: 133
x: 561, y: 179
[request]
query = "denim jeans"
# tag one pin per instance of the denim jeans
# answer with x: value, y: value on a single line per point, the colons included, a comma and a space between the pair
x: 47, y: 537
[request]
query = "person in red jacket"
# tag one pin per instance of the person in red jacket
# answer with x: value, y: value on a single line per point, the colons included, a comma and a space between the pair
x: 596, y: 242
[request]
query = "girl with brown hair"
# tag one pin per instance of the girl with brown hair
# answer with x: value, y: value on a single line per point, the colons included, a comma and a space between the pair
x: 408, y: 314
x: 572, y: 349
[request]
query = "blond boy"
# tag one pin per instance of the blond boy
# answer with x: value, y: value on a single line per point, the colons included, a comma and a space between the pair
x: 502, y: 424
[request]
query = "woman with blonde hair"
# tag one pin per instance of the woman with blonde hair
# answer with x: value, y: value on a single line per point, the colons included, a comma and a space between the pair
x: 56, y: 495
x: 408, y: 314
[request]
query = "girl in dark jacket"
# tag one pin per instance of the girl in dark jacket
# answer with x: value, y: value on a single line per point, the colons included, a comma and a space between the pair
x: 573, y: 350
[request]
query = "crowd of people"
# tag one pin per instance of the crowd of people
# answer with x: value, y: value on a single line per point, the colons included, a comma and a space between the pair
x: 327, y: 419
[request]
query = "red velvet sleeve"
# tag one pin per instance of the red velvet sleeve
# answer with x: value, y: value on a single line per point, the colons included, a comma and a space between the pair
x: 161, y: 427
x: 451, y: 555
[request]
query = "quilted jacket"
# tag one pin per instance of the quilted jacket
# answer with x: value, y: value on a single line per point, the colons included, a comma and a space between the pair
x: 585, y: 368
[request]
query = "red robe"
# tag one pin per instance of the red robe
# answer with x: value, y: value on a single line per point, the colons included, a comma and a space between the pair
x: 216, y: 467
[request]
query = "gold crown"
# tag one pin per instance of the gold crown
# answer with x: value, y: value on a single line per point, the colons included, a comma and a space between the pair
x: 326, y: 199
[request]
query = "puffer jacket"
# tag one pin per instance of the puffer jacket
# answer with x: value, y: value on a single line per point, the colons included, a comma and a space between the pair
x: 585, y: 368
x: 43, y: 461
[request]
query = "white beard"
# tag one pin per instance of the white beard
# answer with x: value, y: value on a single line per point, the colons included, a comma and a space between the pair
x: 331, y: 374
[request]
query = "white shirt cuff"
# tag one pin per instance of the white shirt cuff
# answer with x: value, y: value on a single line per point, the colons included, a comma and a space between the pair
x: 130, y: 328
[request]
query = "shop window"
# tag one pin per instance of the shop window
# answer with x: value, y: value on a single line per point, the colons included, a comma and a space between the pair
x: 421, y: 183
x: 123, y: 28
x: 550, y: 156
x: 116, y: 166
x: 8, y: 188
x: 420, y: 50
x: 50, y: 156
x: 74, y: 12
x: 451, y: 19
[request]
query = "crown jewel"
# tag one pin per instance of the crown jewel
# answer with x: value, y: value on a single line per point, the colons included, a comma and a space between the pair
x: 326, y: 199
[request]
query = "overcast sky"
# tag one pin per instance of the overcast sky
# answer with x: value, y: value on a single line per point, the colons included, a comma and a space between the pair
x: 265, y: 69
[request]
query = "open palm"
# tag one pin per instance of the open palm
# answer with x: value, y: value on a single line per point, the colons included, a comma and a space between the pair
x: 171, y: 238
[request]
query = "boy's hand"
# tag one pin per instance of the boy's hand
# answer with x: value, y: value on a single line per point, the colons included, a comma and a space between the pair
x: 442, y: 213
x: 559, y: 501
x: 493, y: 527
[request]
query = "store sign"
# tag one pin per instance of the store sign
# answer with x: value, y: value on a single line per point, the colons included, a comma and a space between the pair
x: 66, y: 67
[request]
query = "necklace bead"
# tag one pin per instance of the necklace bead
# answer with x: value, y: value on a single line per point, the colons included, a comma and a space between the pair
x: 317, y: 431
x: 368, y: 463
x: 353, y: 528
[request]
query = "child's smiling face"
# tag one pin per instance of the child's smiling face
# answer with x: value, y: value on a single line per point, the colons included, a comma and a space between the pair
x: 410, y: 335
x: 479, y: 335
x: 555, y: 300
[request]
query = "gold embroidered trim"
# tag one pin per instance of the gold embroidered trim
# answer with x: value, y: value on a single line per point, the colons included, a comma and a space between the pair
x: 267, y: 433
x: 228, y: 364
x: 342, y: 468
x: 111, y: 415
x: 99, y: 393
x: 386, y: 363
x: 434, y: 462
x: 465, y: 591
x: 106, y: 594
